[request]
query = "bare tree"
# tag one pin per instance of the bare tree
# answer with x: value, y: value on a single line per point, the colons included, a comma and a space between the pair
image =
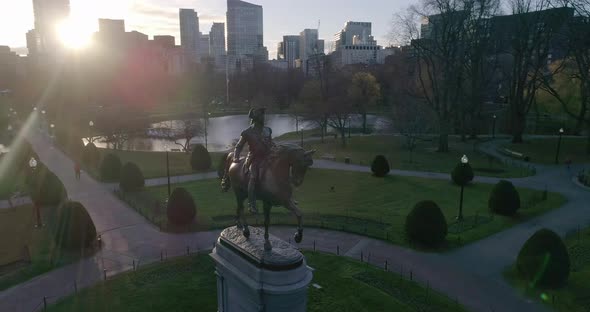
x: 570, y: 85
x: 180, y: 132
x: 439, y: 57
x: 413, y: 121
x: 526, y: 38
x: 364, y: 91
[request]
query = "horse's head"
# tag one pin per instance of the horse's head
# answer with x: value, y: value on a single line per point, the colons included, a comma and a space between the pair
x: 302, y: 160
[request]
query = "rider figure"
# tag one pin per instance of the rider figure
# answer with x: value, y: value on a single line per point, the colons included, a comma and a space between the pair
x: 259, y: 140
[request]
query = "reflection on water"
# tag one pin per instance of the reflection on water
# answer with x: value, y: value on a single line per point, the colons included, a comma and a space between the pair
x: 223, y: 131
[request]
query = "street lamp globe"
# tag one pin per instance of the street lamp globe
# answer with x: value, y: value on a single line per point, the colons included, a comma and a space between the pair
x: 561, y: 131
x: 43, y: 112
x: 9, y: 127
x: 52, y: 126
x: 91, y: 123
x: 33, y: 163
x: 464, y: 159
x: 35, y: 108
x: 495, y: 116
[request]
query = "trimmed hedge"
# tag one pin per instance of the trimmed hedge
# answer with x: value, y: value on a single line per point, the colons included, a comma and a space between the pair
x: 45, y: 188
x: 380, y: 166
x: 131, y: 178
x: 504, y: 199
x: 462, y: 174
x: 200, y: 158
x: 426, y: 224
x: 181, y: 207
x: 75, y: 229
x: 110, y: 168
x: 543, y: 260
x: 90, y: 155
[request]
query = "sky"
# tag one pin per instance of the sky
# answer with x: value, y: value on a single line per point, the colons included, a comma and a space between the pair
x: 160, y: 17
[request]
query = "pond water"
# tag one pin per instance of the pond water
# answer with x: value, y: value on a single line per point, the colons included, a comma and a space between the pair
x: 223, y: 131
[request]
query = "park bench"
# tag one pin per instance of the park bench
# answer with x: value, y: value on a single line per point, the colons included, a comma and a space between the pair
x: 328, y: 157
x: 514, y: 154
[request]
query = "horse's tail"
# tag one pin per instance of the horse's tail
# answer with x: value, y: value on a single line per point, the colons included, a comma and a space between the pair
x: 225, y: 182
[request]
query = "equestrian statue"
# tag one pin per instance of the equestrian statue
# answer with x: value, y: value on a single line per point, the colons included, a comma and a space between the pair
x: 268, y: 173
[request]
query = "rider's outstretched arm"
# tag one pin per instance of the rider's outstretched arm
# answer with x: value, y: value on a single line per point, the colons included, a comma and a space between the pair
x: 238, y: 149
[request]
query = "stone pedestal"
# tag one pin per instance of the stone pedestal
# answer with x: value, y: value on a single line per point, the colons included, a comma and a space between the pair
x: 250, y: 279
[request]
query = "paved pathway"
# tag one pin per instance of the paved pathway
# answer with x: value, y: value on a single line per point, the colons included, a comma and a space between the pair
x: 470, y: 274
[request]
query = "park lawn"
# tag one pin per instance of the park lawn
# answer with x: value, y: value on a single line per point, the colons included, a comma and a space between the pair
x: 153, y: 164
x: 574, y: 295
x: 17, y: 231
x: 184, y: 283
x: 543, y: 150
x: 361, y: 203
x: 363, y: 149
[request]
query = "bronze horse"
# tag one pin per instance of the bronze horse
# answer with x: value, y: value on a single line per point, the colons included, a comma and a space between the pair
x: 286, y: 166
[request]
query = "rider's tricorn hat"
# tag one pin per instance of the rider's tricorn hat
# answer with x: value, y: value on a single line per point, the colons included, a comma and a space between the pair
x: 256, y: 113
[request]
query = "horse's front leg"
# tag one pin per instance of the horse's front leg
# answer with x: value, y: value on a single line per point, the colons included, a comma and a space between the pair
x: 298, y: 237
x: 267, y: 207
x: 240, y: 219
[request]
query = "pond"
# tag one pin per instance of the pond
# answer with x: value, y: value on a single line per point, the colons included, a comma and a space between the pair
x: 223, y: 131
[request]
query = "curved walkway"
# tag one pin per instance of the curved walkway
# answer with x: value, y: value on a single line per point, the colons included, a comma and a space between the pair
x: 471, y: 275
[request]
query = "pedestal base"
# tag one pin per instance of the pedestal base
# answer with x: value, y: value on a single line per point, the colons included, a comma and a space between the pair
x: 250, y: 279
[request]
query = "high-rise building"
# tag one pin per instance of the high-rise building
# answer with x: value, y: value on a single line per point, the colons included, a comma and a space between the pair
x: 354, y: 33
x: 32, y: 42
x: 111, y: 26
x: 309, y: 45
x: 217, y: 40
x: 48, y: 15
x: 280, y: 51
x: 355, y: 45
x: 245, y: 36
x: 291, y: 50
x: 189, y: 33
x: 165, y: 41
x: 203, y: 47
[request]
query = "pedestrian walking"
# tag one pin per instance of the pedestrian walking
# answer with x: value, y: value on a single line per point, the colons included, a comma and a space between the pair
x: 77, y: 170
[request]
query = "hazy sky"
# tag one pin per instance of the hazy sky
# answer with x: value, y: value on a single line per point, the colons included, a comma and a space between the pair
x: 157, y: 17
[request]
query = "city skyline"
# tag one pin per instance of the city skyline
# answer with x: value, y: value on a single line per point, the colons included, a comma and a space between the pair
x: 158, y: 17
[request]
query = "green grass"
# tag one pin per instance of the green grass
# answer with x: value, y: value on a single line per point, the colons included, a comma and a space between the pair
x: 575, y: 295
x: 543, y: 150
x: 361, y: 203
x: 18, y: 232
x: 362, y: 150
x: 153, y: 164
x: 189, y: 284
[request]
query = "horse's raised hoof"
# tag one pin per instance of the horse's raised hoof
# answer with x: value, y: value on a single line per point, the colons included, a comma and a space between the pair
x: 299, y: 236
x: 246, y: 232
x: 267, y: 245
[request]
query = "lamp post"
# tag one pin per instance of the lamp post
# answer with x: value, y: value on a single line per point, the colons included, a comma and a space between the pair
x: 558, y: 146
x: 207, y: 115
x: 349, y: 125
x: 464, y: 162
x: 494, y: 126
x: 51, y: 127
x: 33, y: 166
x: 167, y: 169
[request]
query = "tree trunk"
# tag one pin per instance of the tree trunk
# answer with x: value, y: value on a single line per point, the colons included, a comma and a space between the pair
x: 443, y: 139
x: 518, y: 126
x: 343, y: 136
x: 364, y: 123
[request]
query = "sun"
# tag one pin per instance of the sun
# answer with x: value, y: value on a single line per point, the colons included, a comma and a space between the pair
x: 74, y: 34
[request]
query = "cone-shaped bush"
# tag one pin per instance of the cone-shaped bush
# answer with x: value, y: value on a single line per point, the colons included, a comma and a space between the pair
x: 110, y: 168
x: 426, y: 224
x: 90, y: 155
x: 504, y: 199
x: 544, y: 260
x: 131, y: 178
x: 75, y: 229
x: 462, y: 174
x: 380, y: 166
x: 45, y: 188
x: 200, y: 158
x: 181, y: 207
